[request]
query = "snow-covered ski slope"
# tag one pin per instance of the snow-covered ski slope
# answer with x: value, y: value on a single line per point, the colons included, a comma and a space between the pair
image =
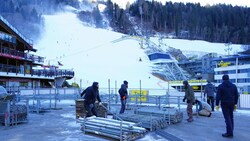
x: 94, y: 55
x: 91, y: 53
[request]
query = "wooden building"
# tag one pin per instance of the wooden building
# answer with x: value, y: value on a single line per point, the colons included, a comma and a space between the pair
x: 18, y: 62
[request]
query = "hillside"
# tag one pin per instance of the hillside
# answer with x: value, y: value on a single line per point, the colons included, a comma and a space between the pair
x: 89, y: 49
x: 98, y: 55
x: 92, y: 55
x: 220, y: 23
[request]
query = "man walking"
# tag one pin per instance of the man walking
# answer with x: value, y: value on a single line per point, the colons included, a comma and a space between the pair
x: 123, y: 95
x: 189, y: 96
x: 209, y: 91
x: 91, y: 94
x: 227, y: 96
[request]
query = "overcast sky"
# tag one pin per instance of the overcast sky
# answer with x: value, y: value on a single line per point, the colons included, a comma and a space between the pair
x: 202, y: 2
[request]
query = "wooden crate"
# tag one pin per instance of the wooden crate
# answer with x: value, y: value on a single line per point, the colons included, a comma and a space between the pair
x: 81, y: 112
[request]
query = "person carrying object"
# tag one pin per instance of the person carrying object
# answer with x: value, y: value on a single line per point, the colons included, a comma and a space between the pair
x: 204, y: 109
x: 90, y: 95
x: 123, y: 95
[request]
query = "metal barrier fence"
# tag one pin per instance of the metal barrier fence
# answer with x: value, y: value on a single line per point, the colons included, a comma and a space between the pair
x: 47, y: 98
x: 162, y: 96
x: 244, y: 101
x: 43, y: 99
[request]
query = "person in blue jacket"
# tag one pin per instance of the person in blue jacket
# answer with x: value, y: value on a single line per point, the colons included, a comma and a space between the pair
x: 209, y: 92
x: 91, y: 94
x: 227, y: 96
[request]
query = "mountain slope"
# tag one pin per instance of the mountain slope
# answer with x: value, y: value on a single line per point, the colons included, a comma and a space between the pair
x: 92, y: 55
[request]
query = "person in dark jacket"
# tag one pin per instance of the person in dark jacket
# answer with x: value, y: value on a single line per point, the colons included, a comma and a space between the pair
x: 209, y: 92
x: 91, y: 94
x: 123, y: 95
x: 189, y: 96
x: 227, y: 96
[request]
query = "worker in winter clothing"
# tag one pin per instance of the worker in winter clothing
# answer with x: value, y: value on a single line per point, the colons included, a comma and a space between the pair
x: 91, y: 94
x: 227, y: 96
x: 204, y: 109
x: 209, y: 92
x: 123, y: 95
x: 189, y: 96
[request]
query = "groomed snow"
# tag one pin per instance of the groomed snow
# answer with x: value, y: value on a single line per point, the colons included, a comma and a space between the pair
x: 92, y: 55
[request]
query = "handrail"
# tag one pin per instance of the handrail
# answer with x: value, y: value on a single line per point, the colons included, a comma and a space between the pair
x: 38, y: 72
x: 6, y: 50
x: 35, y: 58
x: 31, y: 57
x: 53, y: 73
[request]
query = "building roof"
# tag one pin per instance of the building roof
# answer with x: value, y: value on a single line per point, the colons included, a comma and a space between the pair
x: 159, y: 55
x: 232, y: 57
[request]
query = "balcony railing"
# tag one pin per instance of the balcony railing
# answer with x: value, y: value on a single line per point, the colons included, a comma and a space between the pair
x: 16, y: 31
x: 15, y: 54
x: 9, y: 68
x: 8, y: 51
x: 35, y: 58
x: 53, y: 73
x: 36, y: 72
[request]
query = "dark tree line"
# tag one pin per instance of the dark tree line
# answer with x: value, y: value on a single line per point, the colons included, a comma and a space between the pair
x: 218, y: 23
x: 93, y: 17
x: 25, y: 15
x: 118, y: 18
x: 20, y: 9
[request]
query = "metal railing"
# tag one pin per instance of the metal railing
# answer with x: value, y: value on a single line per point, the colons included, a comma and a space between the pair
x: 9, y: 68
x: 41, y: 99
x: 8, y: 51
x: 53, y: 73
x: 35, y: 58
x: 12, y: 52
x: 49, y: 97
x: 37, y: 72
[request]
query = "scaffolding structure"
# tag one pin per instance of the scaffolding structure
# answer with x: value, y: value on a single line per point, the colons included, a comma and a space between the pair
x: 165, y: 68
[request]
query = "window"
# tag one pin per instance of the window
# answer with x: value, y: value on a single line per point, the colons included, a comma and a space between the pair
x: 24, y: 84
